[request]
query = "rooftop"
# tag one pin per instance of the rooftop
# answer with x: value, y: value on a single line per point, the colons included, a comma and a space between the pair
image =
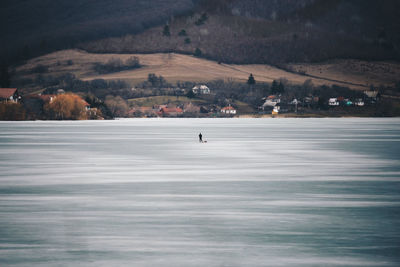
x: 7, y: 92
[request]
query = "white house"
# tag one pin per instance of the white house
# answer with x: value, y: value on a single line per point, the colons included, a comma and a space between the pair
x: 333, y: 102
x: 371, y: 94
x: 276, y: 110
x: 359, y: 102
x: 201, y: 90
x: 271, y: 101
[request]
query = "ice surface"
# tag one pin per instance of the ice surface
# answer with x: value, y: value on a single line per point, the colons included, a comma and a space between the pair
x: 145, y: 192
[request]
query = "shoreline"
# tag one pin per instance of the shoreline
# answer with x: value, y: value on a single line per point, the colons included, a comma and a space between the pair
x: 264, y: 116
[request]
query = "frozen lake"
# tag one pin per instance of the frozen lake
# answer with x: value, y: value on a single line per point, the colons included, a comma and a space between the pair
x: 145, y: 192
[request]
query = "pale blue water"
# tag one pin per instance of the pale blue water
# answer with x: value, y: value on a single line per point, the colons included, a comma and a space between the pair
x: 145, y: 192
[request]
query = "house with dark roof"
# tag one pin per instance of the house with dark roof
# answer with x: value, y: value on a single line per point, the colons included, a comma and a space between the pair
x: 9, y: 94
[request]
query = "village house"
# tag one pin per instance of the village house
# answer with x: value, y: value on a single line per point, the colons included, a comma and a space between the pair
x: 228, y: 110
x: 295, y: 103
x: 280, y: 108
x: 191, y: 108
x: 9, y: 95
x: 308, y: 101
x: 159, y: 107
x: 270, y: 102
x: 359, y: 102
x: 86, y: 104
x: 170, y: 112
x: 333, y: 102
x: 372, y: 96
x: 201, y: 90
x: 275, y: 110
x: 94, y: 114
x: 348, y: 102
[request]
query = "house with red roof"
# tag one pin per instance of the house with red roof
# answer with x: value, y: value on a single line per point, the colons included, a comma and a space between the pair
x: 9, y: 94
x: 228, y: 110
x: 170, y: 112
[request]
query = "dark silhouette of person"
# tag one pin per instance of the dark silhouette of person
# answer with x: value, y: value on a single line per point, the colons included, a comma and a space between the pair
x: 200, y: 138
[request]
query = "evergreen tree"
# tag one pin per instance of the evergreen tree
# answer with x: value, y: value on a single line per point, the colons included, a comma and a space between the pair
x: 190, y: 94
x: 281, y: 88
x: 153, y: 79
x: 198, y: 52
x: 166, y: 31
x: 202, y: 19
x: 182, y: 33
x: 251, y: 80
x: 274, y: 87
x: 277, y: 88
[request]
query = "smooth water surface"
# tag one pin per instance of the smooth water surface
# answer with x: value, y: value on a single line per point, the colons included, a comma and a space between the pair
x: 145, y: 192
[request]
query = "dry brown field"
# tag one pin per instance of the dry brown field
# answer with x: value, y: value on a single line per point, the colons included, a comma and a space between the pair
x: 356, y: 74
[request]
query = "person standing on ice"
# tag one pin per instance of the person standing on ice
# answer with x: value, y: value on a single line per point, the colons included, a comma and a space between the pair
x: 200, y: 138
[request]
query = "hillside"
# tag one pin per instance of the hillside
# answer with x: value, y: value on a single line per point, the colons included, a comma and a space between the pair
x: 272, y: 32
x: 30, y: 28
x: 177, y: 67
x: 229, y: 31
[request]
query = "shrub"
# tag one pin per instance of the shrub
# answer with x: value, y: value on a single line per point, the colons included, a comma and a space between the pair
x: 117, y: 106
x: 10, y: 111
x: 66, y: 107
x: 202, y: 19
x: 116, y: 64
x: 156, y: 81
x: 198, y: 53
x: 182, y: 33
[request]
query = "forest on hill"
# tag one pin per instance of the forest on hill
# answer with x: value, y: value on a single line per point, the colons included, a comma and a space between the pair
x: 272, y: 32
x: 36, y: 27
x: 258, y: 31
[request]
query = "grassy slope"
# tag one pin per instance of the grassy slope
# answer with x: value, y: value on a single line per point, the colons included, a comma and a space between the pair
x: 177, y: 67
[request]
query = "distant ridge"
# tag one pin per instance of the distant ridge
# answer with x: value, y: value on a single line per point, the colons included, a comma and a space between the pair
x: 35, y: 27
x: 229, y: 31
x: 273, y: 32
